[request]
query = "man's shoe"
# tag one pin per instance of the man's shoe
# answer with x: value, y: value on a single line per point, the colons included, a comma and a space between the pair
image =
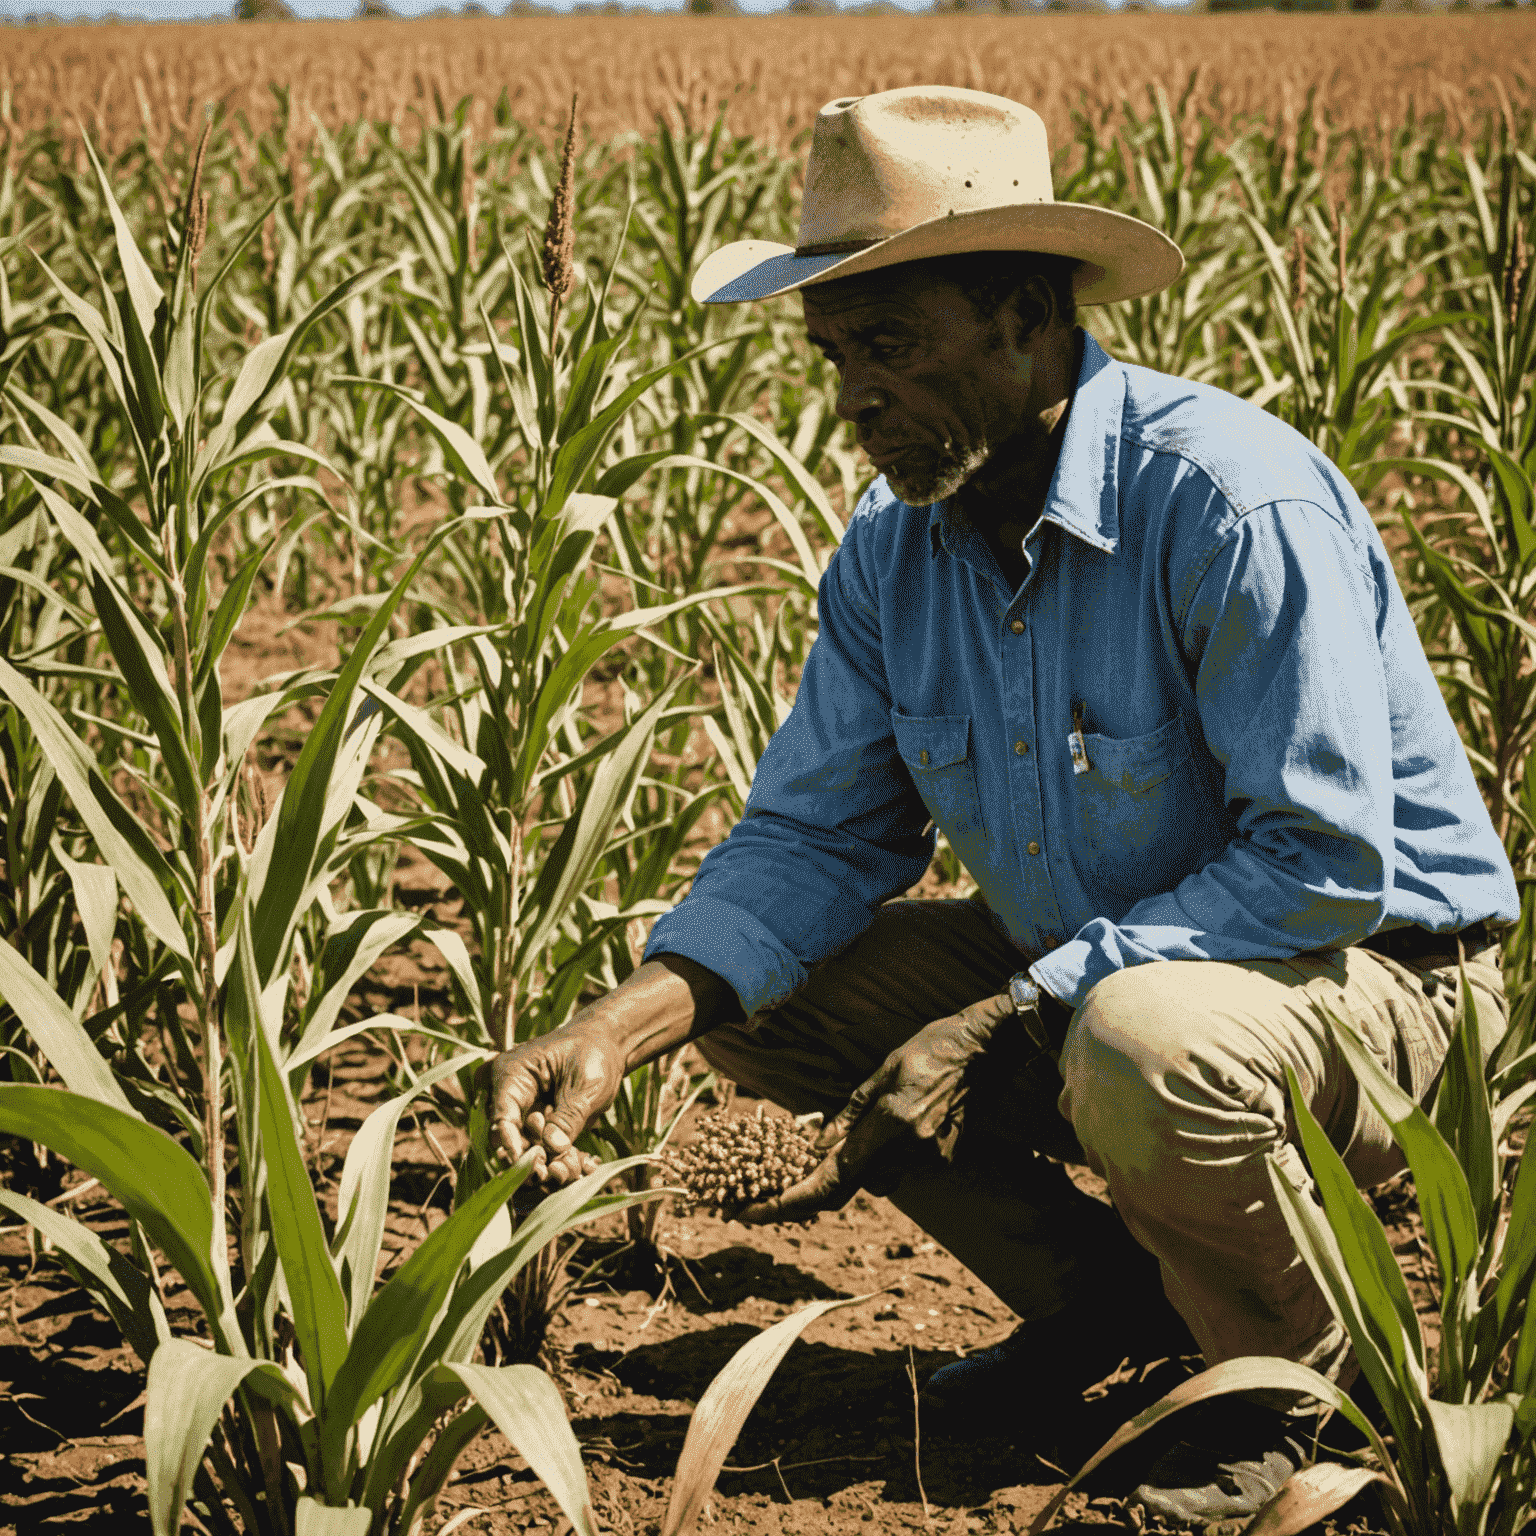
x: 1043, y: 1362
x: 1227, y: 1466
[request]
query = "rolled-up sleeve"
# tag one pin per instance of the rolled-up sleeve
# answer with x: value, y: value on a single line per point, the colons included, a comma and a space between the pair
x: 1281, y: 640
x: 833, y: 826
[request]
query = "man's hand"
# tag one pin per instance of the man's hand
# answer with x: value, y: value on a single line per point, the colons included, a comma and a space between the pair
x: 547, y: 1091
x: 918, y: 1091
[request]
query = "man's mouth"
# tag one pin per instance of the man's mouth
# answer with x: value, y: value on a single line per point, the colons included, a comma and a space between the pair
x: 888, y: 456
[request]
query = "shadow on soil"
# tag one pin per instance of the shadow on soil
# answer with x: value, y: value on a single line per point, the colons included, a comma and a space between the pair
x: 110, y: 1499
x: 833, y: 1418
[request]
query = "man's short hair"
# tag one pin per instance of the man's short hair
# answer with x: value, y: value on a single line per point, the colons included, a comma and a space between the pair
x: 991, y: 278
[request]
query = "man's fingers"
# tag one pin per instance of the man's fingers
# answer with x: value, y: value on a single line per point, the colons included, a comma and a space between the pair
x: 828, y: 1187
x: 507, y: 1135
x: 842, y: 1123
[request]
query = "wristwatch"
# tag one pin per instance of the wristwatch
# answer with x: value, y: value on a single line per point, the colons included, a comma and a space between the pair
x: 1026, y: 997
x: 1024, y: 992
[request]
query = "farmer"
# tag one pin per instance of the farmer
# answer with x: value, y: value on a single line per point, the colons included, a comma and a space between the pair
x: 1136, y: 648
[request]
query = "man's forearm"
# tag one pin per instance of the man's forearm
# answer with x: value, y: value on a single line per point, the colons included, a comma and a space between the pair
x: 667, y: 1002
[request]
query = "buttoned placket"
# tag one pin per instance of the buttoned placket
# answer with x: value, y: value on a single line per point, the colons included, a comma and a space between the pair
x: 1039, y: 913
x: 1035, y: 923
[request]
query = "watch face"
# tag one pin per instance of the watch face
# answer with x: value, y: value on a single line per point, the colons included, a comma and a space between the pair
x: 1024, y: 992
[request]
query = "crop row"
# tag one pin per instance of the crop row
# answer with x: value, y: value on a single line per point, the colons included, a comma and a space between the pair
x: 569, y: 528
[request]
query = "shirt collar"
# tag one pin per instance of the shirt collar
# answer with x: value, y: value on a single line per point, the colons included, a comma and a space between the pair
x: 1084, y: 498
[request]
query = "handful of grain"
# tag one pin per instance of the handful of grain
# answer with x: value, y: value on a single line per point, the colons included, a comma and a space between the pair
x: 733, y: 1162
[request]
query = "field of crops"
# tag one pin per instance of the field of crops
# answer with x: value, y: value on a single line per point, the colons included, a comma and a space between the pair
x: 774, y: 71
x: 393, y: 607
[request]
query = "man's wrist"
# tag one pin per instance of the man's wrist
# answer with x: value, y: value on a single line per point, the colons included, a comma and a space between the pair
x: 1044, y: 1017
x: 665, y: 1003
x: 1024, y: 992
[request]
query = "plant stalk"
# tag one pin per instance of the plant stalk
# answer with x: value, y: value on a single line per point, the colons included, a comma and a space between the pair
x: 207, y: 929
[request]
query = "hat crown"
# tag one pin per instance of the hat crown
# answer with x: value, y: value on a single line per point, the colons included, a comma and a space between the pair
x: 884, y: 163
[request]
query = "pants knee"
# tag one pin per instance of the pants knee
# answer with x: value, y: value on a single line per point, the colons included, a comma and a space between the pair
x: 1147, y: 1081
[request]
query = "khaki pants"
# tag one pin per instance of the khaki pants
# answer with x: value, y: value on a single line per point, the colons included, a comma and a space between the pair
x: 1171, y: 1086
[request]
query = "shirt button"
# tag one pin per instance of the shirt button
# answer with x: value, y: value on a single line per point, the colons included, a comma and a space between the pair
x: 1034, y: 847
x: 922, y: 757
x: 1017, y: 626
x: 1021, y: 747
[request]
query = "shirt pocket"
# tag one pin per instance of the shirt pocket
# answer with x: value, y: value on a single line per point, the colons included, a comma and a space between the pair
x: 1138, y: 827
x: 937, y: 752
x: 1139, y: 763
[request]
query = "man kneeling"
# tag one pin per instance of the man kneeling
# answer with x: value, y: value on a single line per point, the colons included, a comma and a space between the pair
x: 1137, y: 648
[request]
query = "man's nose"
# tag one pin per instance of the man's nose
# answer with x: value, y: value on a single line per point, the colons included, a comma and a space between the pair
x: 858, y: 400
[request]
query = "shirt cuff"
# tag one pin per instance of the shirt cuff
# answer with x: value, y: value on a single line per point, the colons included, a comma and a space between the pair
x: 732, y: 943
x: 1068, y: 973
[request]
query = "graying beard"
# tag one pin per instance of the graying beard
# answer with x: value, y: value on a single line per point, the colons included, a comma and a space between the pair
x: 943, y: 480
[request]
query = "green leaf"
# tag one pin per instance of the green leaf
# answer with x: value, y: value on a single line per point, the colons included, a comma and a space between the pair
x: 391, y: 1021
x: 140, y: 866
x: 417, y: 723
x: 729, y: 1398
x: 312, y: 1518
x: 68, y: 439
x: 144, y: 292
x: 187, y: 1389
x: 115, y: 1283
x: 458, y: 1335
x: 149, y: 1174
x: 58, y: 1033
x: 142, y: 661
x: 1319, y: 1247
x: 810, y: 566
x: 386, y: 1468
x: 95, y: 888
x: 314, y: 1293
x: 1445, y: 1200
x: 584, y: 652
x: 302, y: 811
x: 43, y: 466
x: 232, y: 605
x: 527, y: 1409
x: 264, y: 369
x: 94, y: 326
x: 388, y: 1336
x: 1470, y: 1438
x: 585, y: 837
x: 804, y: 481
x: 1386, y: 1308
x: 1517, y: 1263
x: 579, y: 452
x: 350, y: 950
x: 1522, y: 1375
x: 1463, y: 1115
x: 362, y: 1199
x: 464, y: 454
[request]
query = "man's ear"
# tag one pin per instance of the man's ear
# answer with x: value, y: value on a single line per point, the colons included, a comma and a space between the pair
x: 1032, y: 309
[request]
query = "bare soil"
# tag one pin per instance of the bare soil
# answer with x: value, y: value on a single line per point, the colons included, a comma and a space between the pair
x: 836, y: 1445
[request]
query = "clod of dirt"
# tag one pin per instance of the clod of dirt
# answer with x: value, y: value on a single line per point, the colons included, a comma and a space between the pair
x: 733, y: 1162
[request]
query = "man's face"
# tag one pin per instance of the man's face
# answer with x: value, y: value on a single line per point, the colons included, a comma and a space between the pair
x: 933, y: 386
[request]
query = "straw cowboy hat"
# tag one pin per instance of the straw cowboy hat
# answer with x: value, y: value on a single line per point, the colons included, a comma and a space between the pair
x: 933, y: 170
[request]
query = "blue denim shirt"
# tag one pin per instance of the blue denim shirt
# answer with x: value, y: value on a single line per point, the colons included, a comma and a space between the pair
x: 1271, y: 768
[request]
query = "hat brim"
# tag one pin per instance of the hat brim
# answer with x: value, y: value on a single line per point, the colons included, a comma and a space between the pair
x: 1122, y: 257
